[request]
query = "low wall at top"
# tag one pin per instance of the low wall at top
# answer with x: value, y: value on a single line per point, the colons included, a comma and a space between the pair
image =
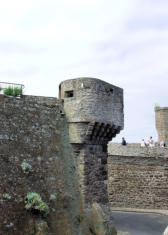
x: 138, y: 176
x: 134, y: 149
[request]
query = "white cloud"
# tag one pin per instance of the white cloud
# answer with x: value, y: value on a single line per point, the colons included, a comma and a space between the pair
x: 83, y: 3
x: 122, y: 42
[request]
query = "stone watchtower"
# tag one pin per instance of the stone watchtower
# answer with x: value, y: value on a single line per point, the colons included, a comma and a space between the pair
x: 161, y: 116
x: 94, y: 110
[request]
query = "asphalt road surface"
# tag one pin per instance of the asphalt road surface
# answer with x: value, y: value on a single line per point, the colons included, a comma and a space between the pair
x: 140, y: 223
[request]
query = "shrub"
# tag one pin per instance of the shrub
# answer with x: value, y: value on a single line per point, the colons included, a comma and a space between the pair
x: 157, y: 106
x: 17, y: 91
x: 26, y: 167
x: 13, y: 91
x: 8, y: 91
x: 35, y: 203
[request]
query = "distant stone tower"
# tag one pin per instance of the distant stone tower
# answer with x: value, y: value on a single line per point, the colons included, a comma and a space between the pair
x: 161, y: 117
x: 94, y: 110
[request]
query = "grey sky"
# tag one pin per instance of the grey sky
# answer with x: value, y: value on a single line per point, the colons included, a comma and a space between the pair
x: 124, y: 42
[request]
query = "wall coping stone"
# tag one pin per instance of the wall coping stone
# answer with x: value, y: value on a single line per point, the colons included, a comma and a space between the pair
x: 156, y: 211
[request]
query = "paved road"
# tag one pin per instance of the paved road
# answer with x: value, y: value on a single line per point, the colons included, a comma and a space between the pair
x: 140, y: 223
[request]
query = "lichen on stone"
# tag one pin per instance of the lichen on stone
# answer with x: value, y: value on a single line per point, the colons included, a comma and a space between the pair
x: 6, y: 196
x: 52, y: 197
x: 26, y: 167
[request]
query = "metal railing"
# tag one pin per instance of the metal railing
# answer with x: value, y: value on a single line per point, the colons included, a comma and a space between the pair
x: 4, y: 85
x: 7, y: 85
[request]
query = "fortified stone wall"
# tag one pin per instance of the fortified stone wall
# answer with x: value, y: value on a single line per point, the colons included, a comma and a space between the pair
x: 138, y: 177
x: 34, y: 130
x: 63, y: 144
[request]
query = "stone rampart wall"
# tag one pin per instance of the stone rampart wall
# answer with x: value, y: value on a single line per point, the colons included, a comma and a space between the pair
x: 138, y: 177
x: 34, y: 130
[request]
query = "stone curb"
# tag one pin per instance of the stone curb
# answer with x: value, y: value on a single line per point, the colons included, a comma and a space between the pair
x: 162, y: 212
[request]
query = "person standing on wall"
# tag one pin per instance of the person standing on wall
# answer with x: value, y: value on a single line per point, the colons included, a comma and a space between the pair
x: 151, y: 142
x: 123, y: 141
x: 143, y: 144
x: 162, y: 144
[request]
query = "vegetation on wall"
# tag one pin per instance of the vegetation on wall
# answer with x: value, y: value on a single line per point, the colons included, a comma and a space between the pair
x: 35, y: 203
x: 17, y: 91
x: 26, y: 167
x: 157, y: 106
x: 8, y: 91
x: 13, y: 91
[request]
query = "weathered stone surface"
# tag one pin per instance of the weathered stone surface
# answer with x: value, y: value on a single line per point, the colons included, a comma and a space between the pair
x: 41, y: 227
x: 34, y: 130
x: 92, y: 170
x: 100, y: 222
x: 138, y: 177
x: 90, y: 91
x: 88, y: 100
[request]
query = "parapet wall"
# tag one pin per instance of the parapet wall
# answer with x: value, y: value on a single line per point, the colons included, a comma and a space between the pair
x: 138, y: 177
x: 134, y: 149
